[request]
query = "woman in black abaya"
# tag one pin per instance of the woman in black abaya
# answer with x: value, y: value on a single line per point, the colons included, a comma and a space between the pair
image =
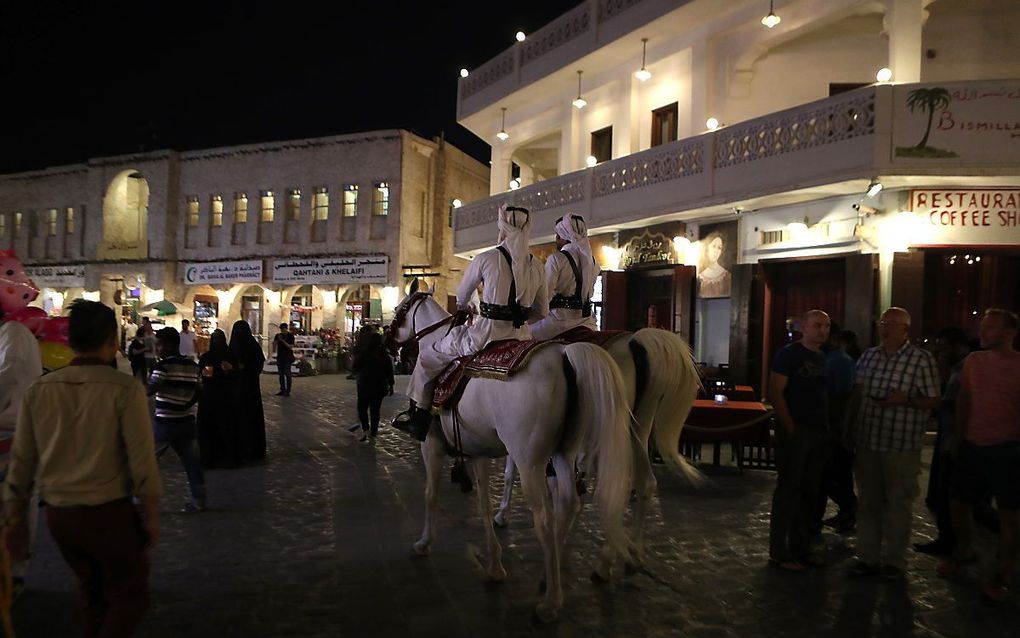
x: 252, y: 420
x: 217, y: 409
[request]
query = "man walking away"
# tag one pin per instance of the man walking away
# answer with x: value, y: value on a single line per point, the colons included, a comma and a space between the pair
x: 987, y: 445
x: 897, y: 388
x: 174, y: 381
x: 797, y: 392
x: 84, y: 439
x: 283, y: 344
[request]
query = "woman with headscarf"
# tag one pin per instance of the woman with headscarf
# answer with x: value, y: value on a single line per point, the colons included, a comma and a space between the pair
x: 374, y: 369
x: 217, y: 413
x: 252, y: 421
x: 570, y: 275
x: 513, y: 294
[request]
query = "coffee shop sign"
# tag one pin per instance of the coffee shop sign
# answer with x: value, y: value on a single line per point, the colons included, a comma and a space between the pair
x: 976, y: 216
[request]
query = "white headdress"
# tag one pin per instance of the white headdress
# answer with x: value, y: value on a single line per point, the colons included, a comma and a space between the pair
x: 573, y: 229
x: 514, y: 236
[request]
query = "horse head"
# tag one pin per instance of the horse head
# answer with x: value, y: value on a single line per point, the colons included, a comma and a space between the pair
x: 413, y: 316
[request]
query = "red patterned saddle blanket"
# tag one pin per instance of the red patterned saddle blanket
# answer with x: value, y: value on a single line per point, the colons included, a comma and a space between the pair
x: 499, y: 360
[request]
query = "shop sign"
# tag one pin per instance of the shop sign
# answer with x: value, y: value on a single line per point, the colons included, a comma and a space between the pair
x: 332, y: 270
x: 647, y: 249
x: 966, y: 216
x: 224, y: 272
x: 113, y: 250
x: 968, y: 121
x: 57, y: 276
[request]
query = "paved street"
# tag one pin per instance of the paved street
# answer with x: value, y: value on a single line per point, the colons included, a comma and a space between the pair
x: 317, y: 541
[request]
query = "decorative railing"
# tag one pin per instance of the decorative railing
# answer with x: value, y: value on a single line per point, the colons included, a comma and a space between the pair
x: 830, y: 121
x: 839, y: 118
x: 609, y: 9
x: 489, y: 73
x: 557, y: 33
x: 656, y: 165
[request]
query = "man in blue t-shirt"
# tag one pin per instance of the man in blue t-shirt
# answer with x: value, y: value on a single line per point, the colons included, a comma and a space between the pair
x: 797, y: 391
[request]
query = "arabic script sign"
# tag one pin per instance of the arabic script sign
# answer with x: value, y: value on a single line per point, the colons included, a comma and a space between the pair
x: 332, y: 270
x: 57, y: 276
x: 224, y: 272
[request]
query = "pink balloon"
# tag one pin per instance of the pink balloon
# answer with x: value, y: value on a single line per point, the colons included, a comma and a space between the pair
x: 31, y: 317
x: 55, y: 330
x: 16, y: 288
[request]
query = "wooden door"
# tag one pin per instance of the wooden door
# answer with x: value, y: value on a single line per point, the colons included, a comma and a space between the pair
x: 684, y: 278
x: 614, y: 300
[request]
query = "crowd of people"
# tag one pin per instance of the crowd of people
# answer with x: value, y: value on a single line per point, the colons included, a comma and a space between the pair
x: 845, y: 418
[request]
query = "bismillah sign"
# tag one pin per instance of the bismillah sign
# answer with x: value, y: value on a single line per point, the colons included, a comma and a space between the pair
x: 332, y: 270
x: 966, y: 216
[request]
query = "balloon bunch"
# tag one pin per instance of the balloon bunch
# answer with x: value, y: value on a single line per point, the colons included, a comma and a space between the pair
x: 16, y: 292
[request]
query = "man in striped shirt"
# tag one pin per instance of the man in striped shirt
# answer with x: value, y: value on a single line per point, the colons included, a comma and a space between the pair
x: 175, y: 383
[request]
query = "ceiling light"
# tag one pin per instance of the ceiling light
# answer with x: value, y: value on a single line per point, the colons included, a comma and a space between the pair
x: 643, y: 74
x: 884, y: 74
x: 875, y: 187
x: 580, y: 102
x: 771, y: 19
x: 463, y: 73
x: 520, y: 36
x: 797, y: 227
x: 503, y: 135
x: 591, y: 161
x: 712, y: 123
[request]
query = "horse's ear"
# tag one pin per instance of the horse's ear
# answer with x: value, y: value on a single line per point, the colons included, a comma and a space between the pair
x: 414, y: 287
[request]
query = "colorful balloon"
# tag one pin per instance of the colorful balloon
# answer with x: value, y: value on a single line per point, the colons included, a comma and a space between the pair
x: 16, y: 288
x: 54, y: 355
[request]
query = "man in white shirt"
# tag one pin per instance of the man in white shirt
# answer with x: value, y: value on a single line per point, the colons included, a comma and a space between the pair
x: 187, y: 340
x: 570, y: 275
x: 514, y: 293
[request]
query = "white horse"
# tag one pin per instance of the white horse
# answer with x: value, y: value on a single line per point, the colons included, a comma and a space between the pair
x: 661, y: 382
x: 568, y: 398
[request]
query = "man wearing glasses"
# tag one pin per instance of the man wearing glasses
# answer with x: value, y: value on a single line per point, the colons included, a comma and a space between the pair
x: 897, y: 388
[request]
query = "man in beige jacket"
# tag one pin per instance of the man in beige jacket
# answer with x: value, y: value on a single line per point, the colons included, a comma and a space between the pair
x: 84, y: 442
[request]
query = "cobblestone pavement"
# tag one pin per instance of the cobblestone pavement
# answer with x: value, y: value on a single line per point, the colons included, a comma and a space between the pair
x: 317, y: 541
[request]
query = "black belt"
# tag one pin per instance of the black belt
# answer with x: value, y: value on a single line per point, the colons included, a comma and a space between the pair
x: 570, y: 303
x: 503, y: 313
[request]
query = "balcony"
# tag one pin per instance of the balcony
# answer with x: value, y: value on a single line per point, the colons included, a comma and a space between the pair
x: 583, y: 30
x: 793, y: 155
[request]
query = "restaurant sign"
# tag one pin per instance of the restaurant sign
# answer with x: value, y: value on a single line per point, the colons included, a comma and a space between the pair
x: 56, y: 276
x: 966, y: 216
x: 224, y: 272
x: 332, y: 270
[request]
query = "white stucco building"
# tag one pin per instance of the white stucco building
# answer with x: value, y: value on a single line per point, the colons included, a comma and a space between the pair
x: 323, y: 232
x: 772, y: 157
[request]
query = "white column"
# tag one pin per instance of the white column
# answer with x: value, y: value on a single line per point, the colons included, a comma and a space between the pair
x: 701, y: 86
x: 624, y: 124
x: 903, y: 23
x: 569, y: 139
x: 499, y: 175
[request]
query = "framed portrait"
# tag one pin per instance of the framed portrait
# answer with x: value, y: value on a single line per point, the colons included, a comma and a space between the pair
x: 718, y: 254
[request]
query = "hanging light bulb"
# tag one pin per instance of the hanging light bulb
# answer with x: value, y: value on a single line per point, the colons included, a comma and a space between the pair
x: 643, y: 74
x: 503, y: 135
x: 580, y: 102
x: 771, y: 19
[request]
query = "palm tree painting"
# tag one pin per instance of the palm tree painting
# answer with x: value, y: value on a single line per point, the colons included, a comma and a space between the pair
x: 930, y: 100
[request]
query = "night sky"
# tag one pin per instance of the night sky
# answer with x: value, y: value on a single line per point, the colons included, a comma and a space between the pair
x: 106, y: 77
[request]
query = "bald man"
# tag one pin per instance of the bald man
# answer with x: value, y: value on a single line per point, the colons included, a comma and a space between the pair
x: 896, y: 390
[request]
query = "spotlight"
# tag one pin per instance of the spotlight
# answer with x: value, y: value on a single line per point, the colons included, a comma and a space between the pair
x: 875, y: 187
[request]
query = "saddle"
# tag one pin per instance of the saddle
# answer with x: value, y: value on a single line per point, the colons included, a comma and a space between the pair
x: 502, y: 359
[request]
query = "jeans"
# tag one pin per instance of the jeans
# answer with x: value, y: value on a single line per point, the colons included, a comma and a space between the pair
x: 180, y: 435
x: 886, y: 488
x: 800, y: 458
x: 286, y: 376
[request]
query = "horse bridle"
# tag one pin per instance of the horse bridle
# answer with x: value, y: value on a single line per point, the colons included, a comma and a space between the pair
x: 401, y: 314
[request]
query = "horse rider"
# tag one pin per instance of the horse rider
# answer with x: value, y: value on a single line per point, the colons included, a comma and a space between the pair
x: 570, y: 275
x: 513, y: 294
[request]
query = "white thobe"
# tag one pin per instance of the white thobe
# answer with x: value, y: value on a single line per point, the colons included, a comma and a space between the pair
x: 20, y: 367
x: 559, y: 279
x: 492, y: 269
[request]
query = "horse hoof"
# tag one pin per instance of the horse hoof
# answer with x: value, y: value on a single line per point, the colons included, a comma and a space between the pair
x: 500, y: 521
x: 546, y: 614
x: 422, y: 548
x: 598, y: 578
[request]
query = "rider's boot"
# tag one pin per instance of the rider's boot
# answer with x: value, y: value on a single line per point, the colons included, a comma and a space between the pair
x: 416, y: 421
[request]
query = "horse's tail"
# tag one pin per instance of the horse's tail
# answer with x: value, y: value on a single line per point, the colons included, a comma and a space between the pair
x: 602, y: 419
x: 672, y: 381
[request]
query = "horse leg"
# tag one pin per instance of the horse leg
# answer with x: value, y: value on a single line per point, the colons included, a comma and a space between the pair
x: 645, y: 485
x: 537, y: 495
x: 494, y: 567
x: 566, y: 503
x: 432, y: 455
x: 508, y: 490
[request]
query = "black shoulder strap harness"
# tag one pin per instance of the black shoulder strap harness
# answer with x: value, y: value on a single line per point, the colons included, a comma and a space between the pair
x: 512, y: 311
x: 575, y: 301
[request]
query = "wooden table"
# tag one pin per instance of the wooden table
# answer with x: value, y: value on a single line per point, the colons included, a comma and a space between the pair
x: 737, y: 422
